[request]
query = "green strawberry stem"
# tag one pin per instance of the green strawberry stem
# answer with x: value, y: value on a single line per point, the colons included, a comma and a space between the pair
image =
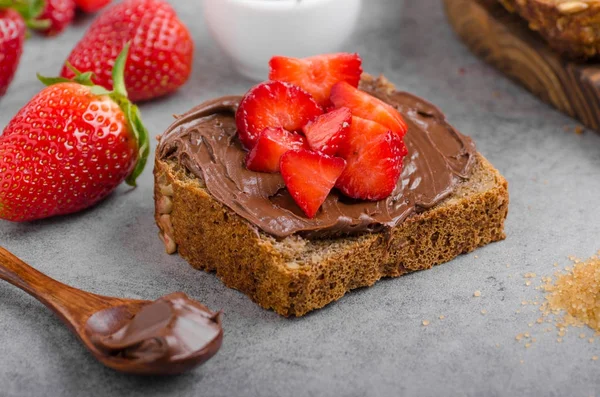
x: 119, y: 96
x: 30, y: 10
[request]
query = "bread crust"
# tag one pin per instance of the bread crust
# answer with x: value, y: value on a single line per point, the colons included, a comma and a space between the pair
x: 571, y: 27
x: 295, y: 275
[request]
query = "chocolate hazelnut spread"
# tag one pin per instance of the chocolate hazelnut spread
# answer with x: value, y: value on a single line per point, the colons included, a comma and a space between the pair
x: 170, y: 329
x: 205, y: 143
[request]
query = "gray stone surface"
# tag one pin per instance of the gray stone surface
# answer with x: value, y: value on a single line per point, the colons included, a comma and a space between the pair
x: 371, y: 342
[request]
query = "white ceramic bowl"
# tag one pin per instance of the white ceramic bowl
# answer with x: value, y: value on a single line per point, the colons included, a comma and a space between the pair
x: 250, y: 32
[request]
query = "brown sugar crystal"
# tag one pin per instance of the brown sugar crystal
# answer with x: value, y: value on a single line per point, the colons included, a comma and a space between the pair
x: 577, y: 292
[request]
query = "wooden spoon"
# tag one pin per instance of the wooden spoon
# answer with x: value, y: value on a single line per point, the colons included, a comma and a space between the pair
x: 95, y: 318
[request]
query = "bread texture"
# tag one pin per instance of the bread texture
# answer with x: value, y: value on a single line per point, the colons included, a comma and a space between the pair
x: 571, y: 27
x: 296, y: 275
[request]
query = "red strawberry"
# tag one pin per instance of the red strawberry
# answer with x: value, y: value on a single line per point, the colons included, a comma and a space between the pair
x: 309, y: 177
x: 91, y: 5
x: 325, y: 133
x: 12, y: 37
x: 374, y: 155
x: 271, y: 144
x: 59, y: 13
x: 368, y: 107
x: 273, y: 104
x: 317, y: 74
x: 69, y: 147
x: 160, y: 60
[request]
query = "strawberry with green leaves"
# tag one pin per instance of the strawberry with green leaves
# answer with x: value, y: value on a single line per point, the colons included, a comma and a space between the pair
x: 12, y: 37
x: 15, y: 17
x: 58, y: 14
x: 160, y: 60
x: 69, y: 147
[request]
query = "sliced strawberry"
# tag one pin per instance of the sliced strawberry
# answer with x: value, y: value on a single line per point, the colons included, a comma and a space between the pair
x: 368, y: 107
x: 325, y: 133
x: 309, y: 177
x: 317, y: 74
x: 374, y: 161
x: 274, y: 104
x: 271, y: 144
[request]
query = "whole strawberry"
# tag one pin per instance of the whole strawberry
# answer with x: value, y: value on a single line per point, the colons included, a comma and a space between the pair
x: 59, y: 14
x: 160, y: 60
x: 12, y: 37
x: 69, y: 147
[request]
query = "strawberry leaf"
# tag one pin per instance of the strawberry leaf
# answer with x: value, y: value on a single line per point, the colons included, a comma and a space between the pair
x: 30, y: 10
x: 118, y: 72
x: 141, y: 134
x: 132, y: 113
x: 48, y: 81
x: 81, y: 78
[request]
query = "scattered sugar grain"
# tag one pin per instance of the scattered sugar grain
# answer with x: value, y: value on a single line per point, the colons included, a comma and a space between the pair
x: 442, y: 317
x: 519, y: 337
x: 576, y: 293
x: 425, y: 323
x: 477, y: 293
x: 595, y: 358
x: 591, y: 340
x: 582, y: 336
x: 483, y: 311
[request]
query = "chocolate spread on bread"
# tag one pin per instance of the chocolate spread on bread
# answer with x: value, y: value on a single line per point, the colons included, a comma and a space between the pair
x: 171, y: 328
x: 205, y: 143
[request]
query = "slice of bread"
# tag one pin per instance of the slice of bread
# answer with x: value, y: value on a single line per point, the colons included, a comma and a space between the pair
x: 296, y: 275
x: 569, y: 26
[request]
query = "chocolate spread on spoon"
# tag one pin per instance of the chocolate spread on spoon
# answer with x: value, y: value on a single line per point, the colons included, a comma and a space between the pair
x: 170, y: 329
x: 204, y: 141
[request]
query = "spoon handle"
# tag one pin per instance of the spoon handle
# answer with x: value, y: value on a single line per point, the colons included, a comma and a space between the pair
x: 72, y: 305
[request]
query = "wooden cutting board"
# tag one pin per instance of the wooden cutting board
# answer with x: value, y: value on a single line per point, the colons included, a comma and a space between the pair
x: 505, y: 41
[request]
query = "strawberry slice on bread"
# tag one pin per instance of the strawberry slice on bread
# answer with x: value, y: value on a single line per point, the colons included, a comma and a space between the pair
x: 317, y: 74
x: 374, y: 161
x: 271, y: 144
x: 325, y: 133
x: 274, y: 104
x: 309, y: 177
x: 367, y: 107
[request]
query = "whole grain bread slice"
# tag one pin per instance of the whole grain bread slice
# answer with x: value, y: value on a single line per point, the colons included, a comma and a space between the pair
x: 296, y: 275
x: 571, y: 27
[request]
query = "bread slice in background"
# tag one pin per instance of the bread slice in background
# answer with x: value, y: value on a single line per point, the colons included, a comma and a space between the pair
x: 569, y: 26
x: 295, y: 275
